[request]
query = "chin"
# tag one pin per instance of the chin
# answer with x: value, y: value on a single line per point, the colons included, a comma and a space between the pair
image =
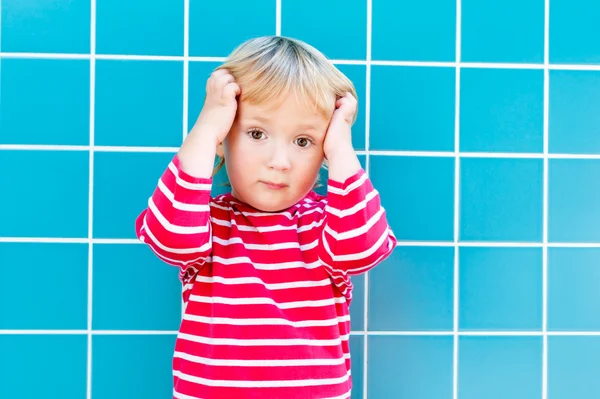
x: 266, y: 201
x: 270, y: 206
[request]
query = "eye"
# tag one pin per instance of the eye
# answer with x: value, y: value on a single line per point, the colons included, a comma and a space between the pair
x: 256, y: 134
x: 303, y: 142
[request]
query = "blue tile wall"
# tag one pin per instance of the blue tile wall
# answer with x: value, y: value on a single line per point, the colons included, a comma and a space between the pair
x: 58, y: 362
x: 502, y: 110
x: 30, y: 87
x: 478, y: 123
x: 136, y: 108
x: 500, y: 367
x: 502, y: 31
x: 255, y: 18
x: 418, y: 34
x: 151, y: 27
x: 574, y: 120
x: 338, y: 28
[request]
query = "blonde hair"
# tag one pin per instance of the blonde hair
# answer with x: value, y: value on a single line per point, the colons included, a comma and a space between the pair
x: 269, y: 68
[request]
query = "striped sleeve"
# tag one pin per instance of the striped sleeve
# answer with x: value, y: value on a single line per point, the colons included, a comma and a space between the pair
x: 356, y: 235
x: 176, y: 223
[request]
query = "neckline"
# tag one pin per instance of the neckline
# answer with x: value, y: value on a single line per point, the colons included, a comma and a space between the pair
x: 245, y: 207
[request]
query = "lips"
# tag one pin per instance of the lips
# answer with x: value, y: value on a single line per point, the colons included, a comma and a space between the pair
x: 274, y: 186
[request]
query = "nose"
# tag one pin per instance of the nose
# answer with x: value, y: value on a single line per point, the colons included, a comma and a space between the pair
x: 279, y: 159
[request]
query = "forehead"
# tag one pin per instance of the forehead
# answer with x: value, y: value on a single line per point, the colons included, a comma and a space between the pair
x: 284, y: 111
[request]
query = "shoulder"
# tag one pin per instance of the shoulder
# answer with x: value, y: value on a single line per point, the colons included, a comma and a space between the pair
x: 311, y: 208
x: 220, y: 203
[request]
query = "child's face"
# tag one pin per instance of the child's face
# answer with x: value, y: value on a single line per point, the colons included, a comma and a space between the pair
x: 273, y: 154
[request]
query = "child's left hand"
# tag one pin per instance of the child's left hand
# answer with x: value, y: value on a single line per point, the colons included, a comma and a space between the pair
x: 338, y: 139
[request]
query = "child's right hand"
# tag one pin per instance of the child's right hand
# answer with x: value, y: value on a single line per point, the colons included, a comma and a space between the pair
x: 220, y: 105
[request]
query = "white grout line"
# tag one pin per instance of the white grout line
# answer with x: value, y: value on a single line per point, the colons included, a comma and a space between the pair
x: 456, y: 287
x: 355, y: 333
x: 278, y: 17
x: 545, y: 203
x: 139, y: 57
x: 186, y: 64
x: 128, y: 241
x: 445, y: 154
x: 186, y: 96
x: 91, y: 199
x: 67, y: 240
x: 86, y: 332
x: 482, y: 333
x: 367, y: 170
x: 96, y: 148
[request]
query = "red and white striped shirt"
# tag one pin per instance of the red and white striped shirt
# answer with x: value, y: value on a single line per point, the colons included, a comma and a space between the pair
x: 266, y: 295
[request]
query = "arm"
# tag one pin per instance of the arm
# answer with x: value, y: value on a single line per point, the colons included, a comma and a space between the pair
x: 356, y: 235
x: 176, y: 223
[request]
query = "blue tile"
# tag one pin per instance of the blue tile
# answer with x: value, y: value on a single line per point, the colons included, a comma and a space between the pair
x: 60, y: 303
x: 337, y: 28
x: 418, y: 367
x: 574, y: 120
x: 45, y: 101
x: 45, y: 26
x: 502, y: 110
x: 573, y: 202
x: 357, y: 74
x: 199, y: 72
x: 43, y: 207
x: 43, y: 366
x: 152, y: 303
x: 417, y: 194
x: 139, y: 27
x: 409, y: 30
x: 500, y: 367
x: 120, y: 197
x: 413, y: 290
x: 502, y: 31
x: 412, y: 108
x: 573, y: 296
x: 357, y: 306
x: 144, y: 359
x: 500, y: 289
x: 321, y: 186
x: 501, y: 199
x: 357, y: 345
x: 574, y: 32
x: 134, y: 108
x: 573, y: 367
x: 208, y: 21
x: 363, y: 160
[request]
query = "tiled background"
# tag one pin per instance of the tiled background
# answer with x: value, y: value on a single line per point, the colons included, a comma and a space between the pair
x: 478, y: 123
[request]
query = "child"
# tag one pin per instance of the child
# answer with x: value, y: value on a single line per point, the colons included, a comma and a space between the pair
x: 266, y: 268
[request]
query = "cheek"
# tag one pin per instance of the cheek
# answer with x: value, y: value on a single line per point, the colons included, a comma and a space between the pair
x: 238, y: 155
x: 309, y: 164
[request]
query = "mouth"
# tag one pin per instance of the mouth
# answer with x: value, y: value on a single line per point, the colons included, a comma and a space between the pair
x: 274, y: 186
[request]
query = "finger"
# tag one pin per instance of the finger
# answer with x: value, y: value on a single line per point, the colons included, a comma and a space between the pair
x: 214, y: 78
x: 219, y: 72
x: 231, y: 91
x: 223, y: 81
x: 344, y: 103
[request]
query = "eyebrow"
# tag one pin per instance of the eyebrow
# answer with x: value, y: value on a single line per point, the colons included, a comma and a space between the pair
x: 262, y: 119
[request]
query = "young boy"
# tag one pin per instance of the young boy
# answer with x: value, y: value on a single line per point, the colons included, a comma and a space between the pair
x: 266, y: 268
